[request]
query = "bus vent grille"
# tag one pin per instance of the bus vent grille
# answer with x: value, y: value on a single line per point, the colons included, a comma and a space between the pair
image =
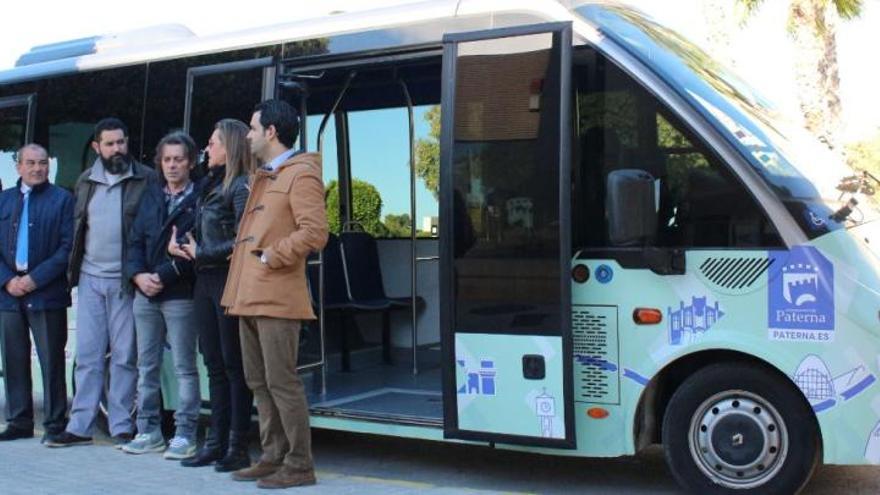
x: 735, y: 272
x: 596, y: 375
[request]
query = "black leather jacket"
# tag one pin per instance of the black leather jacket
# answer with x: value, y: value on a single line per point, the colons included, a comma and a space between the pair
x: 217, y: 218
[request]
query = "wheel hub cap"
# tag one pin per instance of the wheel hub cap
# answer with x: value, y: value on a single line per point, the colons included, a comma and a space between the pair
x: 738, y: 439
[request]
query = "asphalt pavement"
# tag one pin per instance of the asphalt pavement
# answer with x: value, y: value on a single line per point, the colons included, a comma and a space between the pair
x: 349, y: 463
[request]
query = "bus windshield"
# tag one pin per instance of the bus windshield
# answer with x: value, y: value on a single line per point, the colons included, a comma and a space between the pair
x: 802, y: 172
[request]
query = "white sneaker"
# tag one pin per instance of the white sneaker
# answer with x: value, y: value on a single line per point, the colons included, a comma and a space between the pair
x: 180, y: 448
x: 144, y: 443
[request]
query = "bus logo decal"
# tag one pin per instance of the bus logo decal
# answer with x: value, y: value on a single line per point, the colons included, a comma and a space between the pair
x: 801, y: 296
x: 545, y: 409
x: 824, y: 390
x: 632, y: 375
x: 688, y: 322
x: 479, y: 381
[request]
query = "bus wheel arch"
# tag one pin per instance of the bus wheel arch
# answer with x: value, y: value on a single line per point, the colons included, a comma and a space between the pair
x: 699, y: 393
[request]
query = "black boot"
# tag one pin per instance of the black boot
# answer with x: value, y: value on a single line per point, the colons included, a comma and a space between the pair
x: 237, y: 456
x: 210, y: 452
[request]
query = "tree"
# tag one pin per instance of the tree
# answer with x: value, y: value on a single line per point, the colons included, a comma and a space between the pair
x: 812, y: 26
x: 366, y: 208
x: 397, y: 225
x: 720, y: 26
x: 865, y: 154
x: 428, y: 154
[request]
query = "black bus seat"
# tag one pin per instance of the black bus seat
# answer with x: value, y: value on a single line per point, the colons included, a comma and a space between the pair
x: 335, y: 295
x: 364, y: 284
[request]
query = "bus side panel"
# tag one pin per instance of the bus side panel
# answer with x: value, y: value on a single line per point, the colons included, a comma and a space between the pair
x: 738, y: 301
x: 497, y: 391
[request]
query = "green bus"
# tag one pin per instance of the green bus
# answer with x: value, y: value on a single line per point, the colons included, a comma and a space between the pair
x: 595, y: 237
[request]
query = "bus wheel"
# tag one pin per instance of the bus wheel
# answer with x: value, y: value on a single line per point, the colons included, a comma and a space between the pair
x: 735, y: 427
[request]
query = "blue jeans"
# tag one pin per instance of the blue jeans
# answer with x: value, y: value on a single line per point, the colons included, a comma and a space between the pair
x: 157, y: 323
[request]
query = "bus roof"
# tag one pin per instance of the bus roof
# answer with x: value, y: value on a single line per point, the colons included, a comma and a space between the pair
x: 175, y: 41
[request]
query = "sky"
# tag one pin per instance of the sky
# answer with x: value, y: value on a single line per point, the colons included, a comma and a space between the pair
x: 760, y: 50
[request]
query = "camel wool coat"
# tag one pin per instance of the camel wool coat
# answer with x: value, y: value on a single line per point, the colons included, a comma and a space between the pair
x: 285, y: 219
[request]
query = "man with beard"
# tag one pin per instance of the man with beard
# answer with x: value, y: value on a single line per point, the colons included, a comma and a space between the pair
x: 108, y: 195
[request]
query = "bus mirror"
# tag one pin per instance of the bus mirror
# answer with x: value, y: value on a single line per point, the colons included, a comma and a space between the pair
x: 630, y: 208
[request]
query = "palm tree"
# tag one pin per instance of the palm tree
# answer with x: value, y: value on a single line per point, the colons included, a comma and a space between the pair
x: 720, y: 27
x: 812, y: 26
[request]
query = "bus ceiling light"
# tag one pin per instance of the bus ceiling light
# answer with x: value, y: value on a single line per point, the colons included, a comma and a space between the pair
x: 647, y: 316
x: 597, y: 413
x: 580, y: 273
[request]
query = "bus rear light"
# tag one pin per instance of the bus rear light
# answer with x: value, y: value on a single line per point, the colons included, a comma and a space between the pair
x: 647, y: 316
x: 597, y: 413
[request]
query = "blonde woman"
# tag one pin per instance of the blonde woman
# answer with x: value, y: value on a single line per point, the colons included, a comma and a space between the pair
x: 223, y: 196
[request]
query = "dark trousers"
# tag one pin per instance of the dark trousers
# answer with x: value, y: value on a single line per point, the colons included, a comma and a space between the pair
x: 50, y: 336
x: 219, y: 342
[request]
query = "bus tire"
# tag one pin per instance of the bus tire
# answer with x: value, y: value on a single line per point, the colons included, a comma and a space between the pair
x: 738, y: 427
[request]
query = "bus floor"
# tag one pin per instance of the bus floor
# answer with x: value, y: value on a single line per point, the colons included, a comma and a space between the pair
x: 375, y: 390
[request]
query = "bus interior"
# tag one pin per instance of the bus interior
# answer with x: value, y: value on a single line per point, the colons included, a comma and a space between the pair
x: 385, y: 359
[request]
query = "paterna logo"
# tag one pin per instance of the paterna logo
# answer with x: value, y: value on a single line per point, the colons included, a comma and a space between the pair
x: 801, y: 296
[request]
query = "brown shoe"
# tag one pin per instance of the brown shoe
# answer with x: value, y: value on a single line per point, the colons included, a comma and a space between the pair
x: 258, y: 471
x: 286, y: 478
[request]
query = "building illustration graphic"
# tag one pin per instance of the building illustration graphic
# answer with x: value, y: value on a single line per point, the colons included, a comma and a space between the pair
x: 692, y: 320
x: 479, y: 381
x: 825, y: 390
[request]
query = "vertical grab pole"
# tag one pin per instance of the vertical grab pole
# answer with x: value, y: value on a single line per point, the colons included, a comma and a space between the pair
x: 321, y: 322
x: 412, y: 220
x: 333, y: 109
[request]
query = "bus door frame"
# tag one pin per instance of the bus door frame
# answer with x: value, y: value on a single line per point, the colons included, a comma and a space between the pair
x: 562, y: 46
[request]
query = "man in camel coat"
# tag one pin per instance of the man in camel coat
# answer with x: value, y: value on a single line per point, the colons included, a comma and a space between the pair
x: 284, y: 220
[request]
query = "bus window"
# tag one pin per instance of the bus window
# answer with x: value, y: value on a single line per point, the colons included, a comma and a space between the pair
x: 223, y: 95
x: 329, y: 160
x: 366, y: 144
x: 329, y: 164
x: 379, y: 147
x: 698, y: 200
x: 13, y: 129
x: 69, y: 107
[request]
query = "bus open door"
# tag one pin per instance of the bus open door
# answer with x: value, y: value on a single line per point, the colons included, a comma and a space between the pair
x: 505, y: 239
